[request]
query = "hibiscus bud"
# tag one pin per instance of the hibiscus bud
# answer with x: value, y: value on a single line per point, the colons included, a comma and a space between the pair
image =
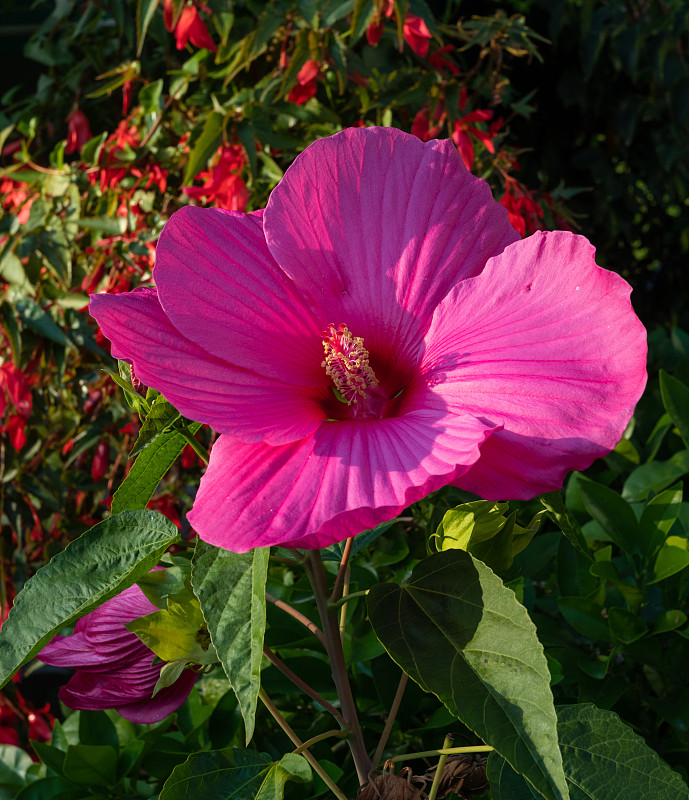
x: 113, y: 667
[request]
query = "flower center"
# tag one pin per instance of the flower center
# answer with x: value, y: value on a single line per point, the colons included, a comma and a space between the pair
x: 346, y: 363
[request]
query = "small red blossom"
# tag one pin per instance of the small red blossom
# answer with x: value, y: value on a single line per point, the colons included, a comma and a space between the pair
x: 440, y: 63
x: 305, y: 87
x: 222, y: 184
x: 422, y: 126
x: 191, y: 28
x: 101, y: 461
x: 374, y: 31
x: 16, y: 198
x: 78, y: 131
x: 524, y: 213
x: 15, y: 392
x: 416, y: 35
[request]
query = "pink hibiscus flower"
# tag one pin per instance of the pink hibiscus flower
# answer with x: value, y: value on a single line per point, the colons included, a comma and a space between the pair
x: 382, y: 274
x: 113, y: 667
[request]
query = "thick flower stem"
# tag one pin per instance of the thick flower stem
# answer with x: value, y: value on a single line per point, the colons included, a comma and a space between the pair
x: 333, y: 646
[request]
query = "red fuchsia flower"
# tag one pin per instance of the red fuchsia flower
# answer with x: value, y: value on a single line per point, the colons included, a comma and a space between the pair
x: 78, y: 131
x: 440, y: 62
x: 114, y: 668
x: 524, y: 212
x: 15, y: 392
x: 223, y: 184
x: 378, y: 331
x: 15, y: 198
x: 422, y: 127
x: 190, y: 27
x: 305, y: 87
x: 416, y: 35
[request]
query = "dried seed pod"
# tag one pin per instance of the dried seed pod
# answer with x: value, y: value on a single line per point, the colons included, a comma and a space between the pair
x: 463, y: 774
x: 388, y: 786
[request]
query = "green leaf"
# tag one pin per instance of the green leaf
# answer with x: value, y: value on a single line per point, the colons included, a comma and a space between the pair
x: 148, y: 470
x: 159, y: 419
x: 668, y: 621
x: 585, y: 616
x: 231, y: 590
x: 553, y: 504
x: 110, y: 226
x: 659, y: 516
x: 204, y: 147
x: 625, y: 626
x: 461, y: 634
x: 234, y: 774
x: 14, y: 763
x: 101, y: 563
x: 672, y: 558
x: 470, y: 523
x: 34, y: 317
x: 94, y: 764
x: 675, y: 396
x: 505, y: 783
x: 655, y: 476
x: 605, y: 760
x: 145, y: 9
x: 95, y: 727
x: 363, y: 12
x: 613, y: 514
x: 174, y: 633
x: 497, y: 552
x: 336, y: 551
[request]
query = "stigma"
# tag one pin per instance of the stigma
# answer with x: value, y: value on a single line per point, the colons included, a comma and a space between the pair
x: 346, y: 364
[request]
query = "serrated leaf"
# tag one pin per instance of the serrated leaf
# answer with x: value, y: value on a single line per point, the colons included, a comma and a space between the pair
x: 231, y: 590
x: 148, y: 470
x: 605, y: 760
x: 234, y: 774
x: 675, y: 396
x: 461, y: 634
x: 158, y: 420
x: 101, y: 563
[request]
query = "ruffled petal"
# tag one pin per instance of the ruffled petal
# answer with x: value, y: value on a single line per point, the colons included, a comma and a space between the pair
x: 248, y: 405
x: 221, y: 288
x: 375, y: 227
x: 163, y: 704
x: 545, y: 343
x: 347, y: 477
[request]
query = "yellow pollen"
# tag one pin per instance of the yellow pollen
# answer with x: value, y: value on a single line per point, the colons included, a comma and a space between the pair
x: 346, y: 363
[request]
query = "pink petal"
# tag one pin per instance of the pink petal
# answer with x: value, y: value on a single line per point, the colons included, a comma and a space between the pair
x: 248, y: 405
x: 346, y: 478
x: 375, y: 227
x: 545, y: 343
x: 163, y: 704
x: 221, y: 288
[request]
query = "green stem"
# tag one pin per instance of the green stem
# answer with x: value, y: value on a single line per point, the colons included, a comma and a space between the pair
x: 198, y: 448
x: 346, y: 598
x: 333, y: 646
x: 439, y: 769
x: 390, y: 720
x: 449, y: 751
x: 292, y: 736
x: 314, y: 739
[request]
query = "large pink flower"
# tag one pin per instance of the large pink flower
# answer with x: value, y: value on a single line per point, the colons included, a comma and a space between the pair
x: 382, y: 272
x: 113, y: 667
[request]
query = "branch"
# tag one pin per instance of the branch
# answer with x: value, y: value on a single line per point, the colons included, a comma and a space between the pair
x: 390, y: 720
x: 305, y: 621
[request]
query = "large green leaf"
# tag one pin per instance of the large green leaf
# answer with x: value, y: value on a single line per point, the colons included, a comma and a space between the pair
x: 461, y: 634
x: 605, y: 760
x: 148, y: 469
x: 14, y: 763
x: 95, y: 567
x: 231, y: 590
x: 234, y: 774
